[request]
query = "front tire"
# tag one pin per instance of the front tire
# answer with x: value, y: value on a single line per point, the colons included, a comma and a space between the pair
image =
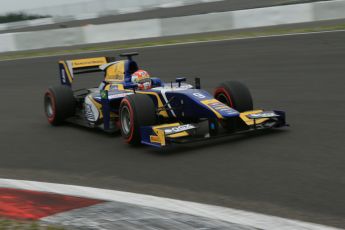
x: 59, y: 104
x: 237, y: 96
x: 234, y: 94
x: 136, y: 110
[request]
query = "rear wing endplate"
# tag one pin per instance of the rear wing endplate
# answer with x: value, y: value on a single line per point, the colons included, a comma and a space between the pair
x: 69, y: 68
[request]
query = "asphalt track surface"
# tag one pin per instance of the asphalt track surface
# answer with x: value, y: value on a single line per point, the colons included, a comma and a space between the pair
x: 296, y: 172
x: 203, y: 8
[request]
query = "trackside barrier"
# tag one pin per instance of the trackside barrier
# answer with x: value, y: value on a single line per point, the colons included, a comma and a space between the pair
x: 122, y: 31
x: 151, y: 28
x: 197, y: 23
x: 93, y: 9
x: 49, y: 38
x: 329, y: 10
x: 7, y: 43
x: 277, y: 15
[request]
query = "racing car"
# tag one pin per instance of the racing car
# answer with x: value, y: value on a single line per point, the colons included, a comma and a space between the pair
x: 159, y: 115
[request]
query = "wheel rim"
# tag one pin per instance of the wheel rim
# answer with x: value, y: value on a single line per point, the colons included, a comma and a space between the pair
x: 49, y: 107
x: 125, y: 120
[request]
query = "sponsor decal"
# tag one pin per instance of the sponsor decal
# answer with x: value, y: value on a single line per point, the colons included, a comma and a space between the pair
x: 63, y: 76
x: 219, y: 107
x: 262, y: 115
x: 178, y: 129
x: 199, y: 95
x: 114, y: 96
x: 104, y: 94
x: 119, y: 95
x: 118, y: 77
x: 88, y: 62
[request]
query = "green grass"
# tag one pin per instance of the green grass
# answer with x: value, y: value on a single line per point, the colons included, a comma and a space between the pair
x: 16, y: 17
x: 6, y: 224
x: 165, y: 41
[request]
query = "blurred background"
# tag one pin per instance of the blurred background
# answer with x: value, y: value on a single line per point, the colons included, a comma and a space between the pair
x: 101, y: 21
x: 289, y: 52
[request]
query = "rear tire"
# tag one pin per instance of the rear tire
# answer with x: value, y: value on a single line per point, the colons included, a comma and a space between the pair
x: 136, y: 110
x: 59, y: 104
x: 237, y: 96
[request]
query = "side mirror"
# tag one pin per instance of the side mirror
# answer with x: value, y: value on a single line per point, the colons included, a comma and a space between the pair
x: 156, y: 82
x: 179, y: 80
x: 197, y: 83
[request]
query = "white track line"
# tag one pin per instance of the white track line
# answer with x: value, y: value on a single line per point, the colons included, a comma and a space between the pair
x: 176, y: 44
x: 235, y: 216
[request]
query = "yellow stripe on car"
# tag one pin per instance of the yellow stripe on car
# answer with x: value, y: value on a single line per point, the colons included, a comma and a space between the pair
x: 115, y: 72
x: 160, y: 133
x: 69, y: 75
x: 208, y: 102
x: 160, y: 138
x: 98, y: 106
x: 88, y: 62
x: 249, y: 121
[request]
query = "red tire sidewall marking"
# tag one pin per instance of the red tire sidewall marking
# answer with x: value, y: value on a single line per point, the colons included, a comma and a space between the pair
x: 128, y: 104
x: 222, y: 90
x: 52, y: 100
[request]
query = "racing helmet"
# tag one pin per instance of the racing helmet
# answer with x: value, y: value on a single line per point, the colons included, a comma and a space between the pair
x: 142, y: 78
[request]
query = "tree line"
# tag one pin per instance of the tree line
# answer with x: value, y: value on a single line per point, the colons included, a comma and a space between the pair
x: 15, y: 17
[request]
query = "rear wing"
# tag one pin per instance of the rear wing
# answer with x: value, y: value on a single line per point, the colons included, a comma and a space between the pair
x: 69, y: 68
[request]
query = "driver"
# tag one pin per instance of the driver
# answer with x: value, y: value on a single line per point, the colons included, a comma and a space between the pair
x: 142, y: 78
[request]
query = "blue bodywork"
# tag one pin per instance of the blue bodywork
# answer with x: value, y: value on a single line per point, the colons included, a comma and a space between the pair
x: 181, y: 103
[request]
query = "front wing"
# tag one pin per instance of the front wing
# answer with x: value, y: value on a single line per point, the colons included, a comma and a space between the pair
x: 165, y: 134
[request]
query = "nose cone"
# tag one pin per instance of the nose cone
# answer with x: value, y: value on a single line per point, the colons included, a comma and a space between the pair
x: 221, y: 110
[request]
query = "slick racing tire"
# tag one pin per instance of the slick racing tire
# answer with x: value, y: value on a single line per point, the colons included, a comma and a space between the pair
x: 234, y: 94
x: 136, y: 110
x: 59, y: 104
x: 237, y: 96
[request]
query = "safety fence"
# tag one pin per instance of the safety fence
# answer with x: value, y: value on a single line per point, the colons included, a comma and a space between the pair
x: 154, y: 28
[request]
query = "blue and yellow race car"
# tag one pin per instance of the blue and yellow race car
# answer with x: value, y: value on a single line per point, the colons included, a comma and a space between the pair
x: 149, y: 111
